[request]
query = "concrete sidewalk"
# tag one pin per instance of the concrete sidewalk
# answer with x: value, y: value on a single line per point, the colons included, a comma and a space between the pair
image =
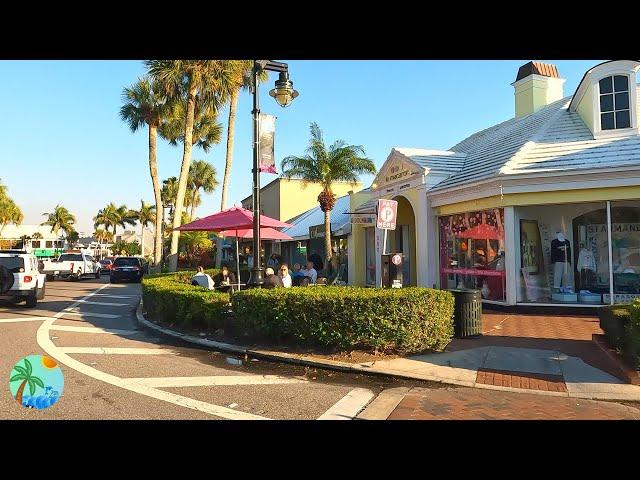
x: 539, y: 371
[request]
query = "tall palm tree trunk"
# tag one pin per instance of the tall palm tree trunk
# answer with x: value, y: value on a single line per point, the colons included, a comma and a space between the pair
x: 231, y: 131
x: 142, y: 244
x: 327, y: 238
x: 193, y: 203
x: 20, y: 391
x: 153, y: 169
x: 184, y: 176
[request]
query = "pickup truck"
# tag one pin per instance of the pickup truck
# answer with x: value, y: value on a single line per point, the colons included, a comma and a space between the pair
x: 20, y: 278
x: 72, y: 266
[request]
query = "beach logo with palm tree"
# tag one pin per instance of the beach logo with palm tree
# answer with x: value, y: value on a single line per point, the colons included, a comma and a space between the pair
x: 36, y: 382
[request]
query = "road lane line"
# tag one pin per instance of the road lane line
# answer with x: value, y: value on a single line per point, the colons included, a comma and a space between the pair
x: 107, y: 304
x: 111, y: 331
x: 349, y: 406
x: 54, y: 351
x: 118, y: 350
x: 90, y: 314
x: 215, y: 380
x: 22, y: 319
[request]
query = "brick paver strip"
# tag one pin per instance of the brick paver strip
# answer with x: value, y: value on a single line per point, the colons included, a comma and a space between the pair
x: 477, y: 404
x: 530, y: 381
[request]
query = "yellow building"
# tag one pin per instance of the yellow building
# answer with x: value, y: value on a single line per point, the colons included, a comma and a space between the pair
x: 543, y: 208
x: 285, y: 199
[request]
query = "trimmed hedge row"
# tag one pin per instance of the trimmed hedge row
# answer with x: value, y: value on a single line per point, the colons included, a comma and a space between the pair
x: 172, y: 298
x: 621, y: 325
x: 407, y: 320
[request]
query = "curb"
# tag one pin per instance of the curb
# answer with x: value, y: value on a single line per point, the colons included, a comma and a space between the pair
x: 631, y: 375
x: 358, y: 368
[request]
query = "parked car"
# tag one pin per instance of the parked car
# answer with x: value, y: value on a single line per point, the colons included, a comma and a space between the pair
x: 20, y: 278
x: 106, y: 264
x: 72, y: 265
x: 126, y: 268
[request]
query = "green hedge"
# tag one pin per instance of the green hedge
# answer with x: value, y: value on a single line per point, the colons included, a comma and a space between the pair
x: 613, y: 320
x: 172, y: 298
x: 631, y: 344
x: 407, y: 320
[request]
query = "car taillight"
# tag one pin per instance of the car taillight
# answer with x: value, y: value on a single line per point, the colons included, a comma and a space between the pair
x: 27, y: 278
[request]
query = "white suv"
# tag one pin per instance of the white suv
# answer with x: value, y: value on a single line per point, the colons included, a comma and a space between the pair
x: 20, y: 278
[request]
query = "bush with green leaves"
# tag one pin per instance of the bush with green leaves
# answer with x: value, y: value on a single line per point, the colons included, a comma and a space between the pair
x: 171, y: 298
x: 613, y: 321
x: 407, y: 320
x: 631, y: 344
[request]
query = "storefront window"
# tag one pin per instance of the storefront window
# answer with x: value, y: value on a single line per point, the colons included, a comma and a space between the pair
x: 472, y: 252
x: 625, y: 251
x: 563, y: 254
x: 370, y: 236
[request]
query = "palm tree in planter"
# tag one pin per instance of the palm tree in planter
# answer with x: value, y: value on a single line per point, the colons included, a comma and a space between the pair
x: 60, y: 220
x: 202, y: 175
x: 194, y: 83
x: 147, y: 215
x: 337, y: 163
x: 145, y: 104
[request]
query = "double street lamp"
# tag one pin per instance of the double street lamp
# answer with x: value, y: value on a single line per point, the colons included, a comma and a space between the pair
x: 284, y: 94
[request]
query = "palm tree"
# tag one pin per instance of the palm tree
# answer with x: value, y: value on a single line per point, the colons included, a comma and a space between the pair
x: 147, y: 215
x: 107, y: 217
x: 144, y: 105
x: 25, y: 375
x: 125, y: 217
x: 195, y: 244
x: 194, y: 82
x: 169, y: 194
x: 202, y: 175
x: 9, y: 212
x: 60, y: 219
x: 340, y: 162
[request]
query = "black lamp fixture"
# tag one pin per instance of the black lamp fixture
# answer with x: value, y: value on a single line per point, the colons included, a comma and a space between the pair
x: 284, y: 93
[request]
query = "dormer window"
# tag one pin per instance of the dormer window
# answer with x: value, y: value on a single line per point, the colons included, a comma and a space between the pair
x: 614, y: 103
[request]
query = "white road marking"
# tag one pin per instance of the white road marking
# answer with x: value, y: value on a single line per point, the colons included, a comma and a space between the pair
x: 22, y: 319
x: 54, y: 351
x: 111, y: 331
x: 118, y: 350
x: 107, y: 304
x: 108, y: 295
x: 89, y: 314
x: 216, y: 380
x: 349, y: 406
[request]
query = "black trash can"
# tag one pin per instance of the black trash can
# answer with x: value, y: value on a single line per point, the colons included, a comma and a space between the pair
x: 467, y: 316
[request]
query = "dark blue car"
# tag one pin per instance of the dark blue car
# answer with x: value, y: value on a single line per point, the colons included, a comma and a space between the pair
x: 127, y: 268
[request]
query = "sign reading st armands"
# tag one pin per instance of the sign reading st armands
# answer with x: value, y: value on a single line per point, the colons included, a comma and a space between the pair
x: 387, y: 214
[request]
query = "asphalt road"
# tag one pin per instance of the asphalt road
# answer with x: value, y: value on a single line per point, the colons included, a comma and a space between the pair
x: 114, y: 369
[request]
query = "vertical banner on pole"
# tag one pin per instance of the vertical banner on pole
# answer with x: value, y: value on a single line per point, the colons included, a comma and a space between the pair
x: 267, y: 130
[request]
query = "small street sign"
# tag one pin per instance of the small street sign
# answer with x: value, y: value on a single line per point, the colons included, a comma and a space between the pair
x: 387, y: 214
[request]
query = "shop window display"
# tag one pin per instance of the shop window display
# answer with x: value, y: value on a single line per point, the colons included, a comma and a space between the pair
x: 370, y: 252
x: 472, y: 252
x: 625, y: 251
x: 563, y: 255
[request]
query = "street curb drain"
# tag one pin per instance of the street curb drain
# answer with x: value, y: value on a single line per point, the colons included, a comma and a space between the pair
x: 357, y: 368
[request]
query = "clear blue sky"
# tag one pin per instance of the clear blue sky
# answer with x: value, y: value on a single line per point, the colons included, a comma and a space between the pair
x: 62, y: 140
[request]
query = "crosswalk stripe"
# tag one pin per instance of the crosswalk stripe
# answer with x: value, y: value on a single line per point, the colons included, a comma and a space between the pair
x: 107, y: 304
x: 22, y: 319
x: 348, y: 406
x: 89, y: 314
x: 118, y: 350
x: 215, y: 380
x: 111, y: 331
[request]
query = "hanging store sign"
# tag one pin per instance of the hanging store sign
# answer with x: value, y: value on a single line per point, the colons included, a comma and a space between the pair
x: 316, y: 231
x: 387, y: 214
x: 267, y: 129
x: 363, y: 219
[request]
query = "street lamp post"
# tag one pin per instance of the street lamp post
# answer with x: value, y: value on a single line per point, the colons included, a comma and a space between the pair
x: 284, y: 94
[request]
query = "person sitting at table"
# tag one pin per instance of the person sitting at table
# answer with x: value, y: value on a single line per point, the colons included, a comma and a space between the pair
x: 271, y: 280
x: 310, y: 272
x: 202, y: 279
x: 225, y: 279
x: 297, y: 272
x: 284, y: 275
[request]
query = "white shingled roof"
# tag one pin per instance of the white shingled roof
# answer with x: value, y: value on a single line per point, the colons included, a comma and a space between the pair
x: 445, y: 161
x: 551, y: 139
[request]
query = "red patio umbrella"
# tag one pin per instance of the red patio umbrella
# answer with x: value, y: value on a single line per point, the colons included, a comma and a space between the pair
x: 230, y: 219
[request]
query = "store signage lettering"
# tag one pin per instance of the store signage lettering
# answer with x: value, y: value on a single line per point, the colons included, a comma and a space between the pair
x: 394, y: 173
x: 363, y: 219
x: 617, y: 228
